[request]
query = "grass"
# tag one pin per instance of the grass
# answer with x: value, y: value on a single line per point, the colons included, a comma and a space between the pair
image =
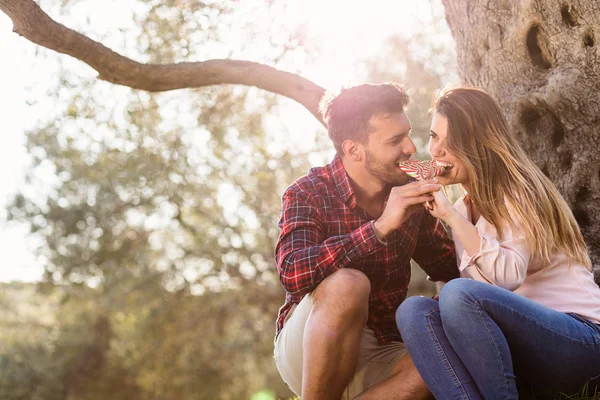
x: 583, y: 394
x: 586, y: 393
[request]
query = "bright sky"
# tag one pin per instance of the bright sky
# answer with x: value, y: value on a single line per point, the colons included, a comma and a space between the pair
x: 17, y: 261
x: 346, y: 30
x: 351, y: 30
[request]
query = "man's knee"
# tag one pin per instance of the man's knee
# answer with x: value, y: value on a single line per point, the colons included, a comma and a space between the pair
x: 346, y: 282
x: 345, y: 290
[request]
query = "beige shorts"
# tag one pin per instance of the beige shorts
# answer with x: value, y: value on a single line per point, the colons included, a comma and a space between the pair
x: 375, y: 362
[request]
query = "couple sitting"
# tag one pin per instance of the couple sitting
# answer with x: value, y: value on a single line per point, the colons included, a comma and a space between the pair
x: 525, y: 312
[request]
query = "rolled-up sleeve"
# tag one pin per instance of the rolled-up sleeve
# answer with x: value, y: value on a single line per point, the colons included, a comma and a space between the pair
x: 500, y: 262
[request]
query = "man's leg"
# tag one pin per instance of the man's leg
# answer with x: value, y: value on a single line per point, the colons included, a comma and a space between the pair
x: 404, y: 384
x: 333, y: 332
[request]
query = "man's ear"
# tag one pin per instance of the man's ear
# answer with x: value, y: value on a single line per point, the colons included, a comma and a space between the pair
x: 352, y: 150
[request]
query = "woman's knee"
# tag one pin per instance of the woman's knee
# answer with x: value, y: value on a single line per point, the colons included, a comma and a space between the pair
x: 461, y: 294
x: 413, y: 312
x: 458, y: 289
x: 456, y: 294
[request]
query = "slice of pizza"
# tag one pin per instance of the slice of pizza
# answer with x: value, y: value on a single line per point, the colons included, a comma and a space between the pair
x: 421, y: 170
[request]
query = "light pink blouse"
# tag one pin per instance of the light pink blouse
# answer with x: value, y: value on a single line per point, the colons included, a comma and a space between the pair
x: 507, y: 262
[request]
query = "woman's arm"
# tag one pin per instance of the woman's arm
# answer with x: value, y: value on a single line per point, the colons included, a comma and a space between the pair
x: 462, y: 229
x: 499, y: 261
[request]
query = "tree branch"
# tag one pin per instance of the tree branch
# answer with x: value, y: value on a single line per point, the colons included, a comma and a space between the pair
x: 31, y: 22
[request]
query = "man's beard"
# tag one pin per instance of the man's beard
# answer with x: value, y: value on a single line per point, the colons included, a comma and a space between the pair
x: 387, y: 174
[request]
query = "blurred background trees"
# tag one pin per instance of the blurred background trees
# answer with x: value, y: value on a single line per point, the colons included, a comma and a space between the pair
x: 155, y: 215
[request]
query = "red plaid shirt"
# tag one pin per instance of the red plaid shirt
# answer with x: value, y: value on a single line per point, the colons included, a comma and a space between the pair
x: 323, y: 229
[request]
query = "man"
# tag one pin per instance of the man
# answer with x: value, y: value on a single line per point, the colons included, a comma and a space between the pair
x: 348, y: 232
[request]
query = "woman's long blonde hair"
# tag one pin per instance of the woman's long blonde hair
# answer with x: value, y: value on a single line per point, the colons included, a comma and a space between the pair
x: 501, y: 174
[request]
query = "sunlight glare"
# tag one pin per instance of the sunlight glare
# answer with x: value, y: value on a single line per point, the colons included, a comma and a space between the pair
x: 350, y: 31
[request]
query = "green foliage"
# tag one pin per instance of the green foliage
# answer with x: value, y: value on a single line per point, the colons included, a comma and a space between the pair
x: 156, y: 217
x: 178, y: 245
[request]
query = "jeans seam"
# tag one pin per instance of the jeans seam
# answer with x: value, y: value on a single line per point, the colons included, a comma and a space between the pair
x: 589, y: 324
x: 442, y: 354
x: 539, y: 323
x: 481, y: 312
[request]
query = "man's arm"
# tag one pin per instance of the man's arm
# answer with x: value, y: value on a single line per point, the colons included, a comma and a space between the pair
x: 435, y: 252
x: 304, y: 255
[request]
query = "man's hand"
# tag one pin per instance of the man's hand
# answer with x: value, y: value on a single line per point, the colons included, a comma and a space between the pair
x: 402, y: 202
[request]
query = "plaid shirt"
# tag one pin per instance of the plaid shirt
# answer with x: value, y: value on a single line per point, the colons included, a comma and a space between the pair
x: 323, y: 230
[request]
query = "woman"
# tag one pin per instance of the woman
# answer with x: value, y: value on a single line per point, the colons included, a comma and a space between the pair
x: 529, y: 311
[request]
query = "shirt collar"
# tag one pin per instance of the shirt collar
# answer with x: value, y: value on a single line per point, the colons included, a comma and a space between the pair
x: 342, y: 182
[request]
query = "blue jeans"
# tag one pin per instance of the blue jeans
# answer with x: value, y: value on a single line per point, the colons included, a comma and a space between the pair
x: 479, y: 341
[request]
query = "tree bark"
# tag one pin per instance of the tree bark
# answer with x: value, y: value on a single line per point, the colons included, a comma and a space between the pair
x: 541, y: 60
x: 31, y: 22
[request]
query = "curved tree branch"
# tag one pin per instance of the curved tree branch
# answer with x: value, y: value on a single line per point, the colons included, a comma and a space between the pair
x: 31, y: 22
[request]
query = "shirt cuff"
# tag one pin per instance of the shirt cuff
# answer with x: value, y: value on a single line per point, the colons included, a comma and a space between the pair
x: 383, y: 242
x: 466, y: 260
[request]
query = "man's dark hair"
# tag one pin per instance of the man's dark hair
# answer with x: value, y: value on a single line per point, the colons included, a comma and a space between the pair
x: 347, y: 113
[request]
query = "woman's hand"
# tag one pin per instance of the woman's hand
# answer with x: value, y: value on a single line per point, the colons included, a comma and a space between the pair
x: 440, y: 207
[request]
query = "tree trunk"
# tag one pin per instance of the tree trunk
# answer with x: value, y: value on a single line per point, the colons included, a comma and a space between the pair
x: 541, y: 60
